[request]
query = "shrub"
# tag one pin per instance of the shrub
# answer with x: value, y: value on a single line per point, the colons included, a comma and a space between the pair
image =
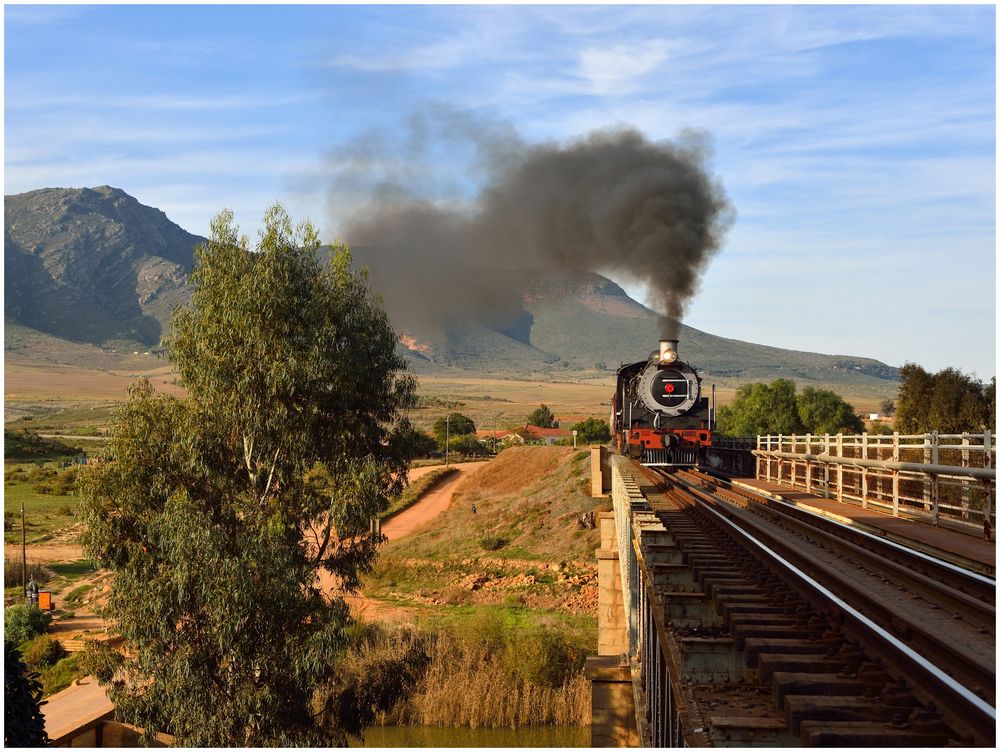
x: 592, y: 430
x: 468, y: 445
x: 38, y: 473
x: 43, y: 650
x: 24, y: 621
x: 493, y: 542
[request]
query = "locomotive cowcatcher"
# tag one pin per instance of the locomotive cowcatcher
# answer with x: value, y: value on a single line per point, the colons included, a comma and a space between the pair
x: 658, y: 414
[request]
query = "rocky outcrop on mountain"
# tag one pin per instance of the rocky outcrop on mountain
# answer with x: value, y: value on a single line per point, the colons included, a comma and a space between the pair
x: 93, y: 265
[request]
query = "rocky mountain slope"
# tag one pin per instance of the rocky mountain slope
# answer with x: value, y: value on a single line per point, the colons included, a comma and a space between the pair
x: 95, y: 267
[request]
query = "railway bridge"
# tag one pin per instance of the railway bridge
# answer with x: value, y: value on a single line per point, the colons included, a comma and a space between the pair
x: 799, y: 591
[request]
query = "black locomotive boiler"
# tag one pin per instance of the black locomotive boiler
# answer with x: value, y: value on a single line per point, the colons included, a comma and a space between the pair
x: 658, y: 413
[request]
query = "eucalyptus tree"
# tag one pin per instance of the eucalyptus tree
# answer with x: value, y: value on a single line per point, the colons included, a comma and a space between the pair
x: 229, y: 514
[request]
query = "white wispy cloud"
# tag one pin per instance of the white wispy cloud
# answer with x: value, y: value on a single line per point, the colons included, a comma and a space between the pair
x: 617, y: 69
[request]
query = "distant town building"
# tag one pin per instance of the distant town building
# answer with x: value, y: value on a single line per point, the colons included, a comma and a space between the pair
x: 548, y: 435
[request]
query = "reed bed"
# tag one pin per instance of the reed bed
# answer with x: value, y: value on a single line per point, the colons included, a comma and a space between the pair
x: 12, y: 574
x: 482, y: 683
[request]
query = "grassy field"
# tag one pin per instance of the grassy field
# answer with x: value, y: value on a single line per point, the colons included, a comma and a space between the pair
x: 45, y: 514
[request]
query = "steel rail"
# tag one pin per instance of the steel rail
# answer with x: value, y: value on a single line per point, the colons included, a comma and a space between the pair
x: 966, y: 709
x: 969, y: 666
x: 979, y: 589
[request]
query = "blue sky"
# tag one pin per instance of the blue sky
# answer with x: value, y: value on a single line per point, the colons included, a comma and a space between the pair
x: 857, y: 143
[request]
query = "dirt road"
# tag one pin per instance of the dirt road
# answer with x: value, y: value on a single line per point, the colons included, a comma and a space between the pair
x: 431, y: 505
x: 404, y: 523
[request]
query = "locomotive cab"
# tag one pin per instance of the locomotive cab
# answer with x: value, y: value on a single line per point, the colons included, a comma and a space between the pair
x: 659, y: 415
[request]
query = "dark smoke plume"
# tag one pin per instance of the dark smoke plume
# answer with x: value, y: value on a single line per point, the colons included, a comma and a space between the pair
x: 612, y: 203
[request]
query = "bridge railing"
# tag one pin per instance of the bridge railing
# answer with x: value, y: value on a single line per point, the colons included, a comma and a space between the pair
x: 944, y: 476
x: 658, y: 714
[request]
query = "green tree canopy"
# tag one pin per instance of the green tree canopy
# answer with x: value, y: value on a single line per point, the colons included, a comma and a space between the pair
x: 457, y: 425
x: 915, y: 394
x: 592, y: 430
x: 420, y: 443
x: 543, y: 418
x: 948, y: 401
x: 468, y: 445
x: 823, y: 411
x: 761, y: 409
x: 775, y: 408
x: 220, y: 512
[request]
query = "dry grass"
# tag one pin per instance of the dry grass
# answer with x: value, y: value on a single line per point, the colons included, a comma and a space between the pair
x: 25, y: 379
x: 13, y: 574
x: 473, y: 682
x: 530, y: 496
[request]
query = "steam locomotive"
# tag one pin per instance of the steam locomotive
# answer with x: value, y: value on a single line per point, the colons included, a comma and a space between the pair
x: 658, y: 415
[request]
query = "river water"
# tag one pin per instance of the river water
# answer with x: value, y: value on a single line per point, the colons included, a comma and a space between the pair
x: 436, y: 736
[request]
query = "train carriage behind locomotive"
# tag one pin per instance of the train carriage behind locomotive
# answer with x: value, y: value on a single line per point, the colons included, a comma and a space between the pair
x: 658, y: 413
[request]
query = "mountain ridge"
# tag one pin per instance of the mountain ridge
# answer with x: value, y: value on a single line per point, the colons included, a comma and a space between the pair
x: 95, y: 266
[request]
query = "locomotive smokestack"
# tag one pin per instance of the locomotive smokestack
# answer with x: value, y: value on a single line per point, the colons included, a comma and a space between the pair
x: 668, y: 351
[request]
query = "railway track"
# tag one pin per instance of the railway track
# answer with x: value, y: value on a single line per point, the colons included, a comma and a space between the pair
x: 844, y: 638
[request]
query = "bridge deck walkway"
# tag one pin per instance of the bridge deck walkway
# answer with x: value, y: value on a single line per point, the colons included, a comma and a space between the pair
x: 942, y: 541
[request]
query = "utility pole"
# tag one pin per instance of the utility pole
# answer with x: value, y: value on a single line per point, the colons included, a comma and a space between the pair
x: 447, y: 432
x: 24, y: 555
x: 494, y: 433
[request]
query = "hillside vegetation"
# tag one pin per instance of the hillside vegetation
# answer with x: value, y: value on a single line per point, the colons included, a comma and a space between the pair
x: 525, y: 546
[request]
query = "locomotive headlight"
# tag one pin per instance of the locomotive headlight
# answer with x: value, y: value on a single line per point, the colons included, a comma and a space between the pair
x: 668, y: 351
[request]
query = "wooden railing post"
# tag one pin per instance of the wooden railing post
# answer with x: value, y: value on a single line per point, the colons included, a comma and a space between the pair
x: 809, y: 475
x: 895, y: 474
x: 826, y: 467
x: 864, y: 471
x: 795, y: 463
x: 965, y: 481
x: 840, y: 467
x: 935, y: 487
x: 990, y: 487
x: 927, y: 482
x: 757, y: 460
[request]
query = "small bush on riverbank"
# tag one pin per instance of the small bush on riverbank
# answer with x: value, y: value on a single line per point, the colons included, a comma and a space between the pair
x: 24, y: 621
